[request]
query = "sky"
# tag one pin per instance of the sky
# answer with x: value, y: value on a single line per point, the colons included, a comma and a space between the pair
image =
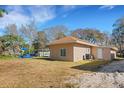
x: 72, y: 16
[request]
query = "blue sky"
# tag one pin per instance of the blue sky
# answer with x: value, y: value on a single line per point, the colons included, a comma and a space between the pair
x: 85, y: 16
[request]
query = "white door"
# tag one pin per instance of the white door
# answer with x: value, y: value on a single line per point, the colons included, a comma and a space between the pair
x: 99, y: 53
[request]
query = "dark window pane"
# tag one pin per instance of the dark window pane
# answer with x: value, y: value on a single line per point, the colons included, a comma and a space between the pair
x: 63, y: 52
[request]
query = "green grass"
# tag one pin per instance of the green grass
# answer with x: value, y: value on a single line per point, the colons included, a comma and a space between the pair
x: 2, y: 57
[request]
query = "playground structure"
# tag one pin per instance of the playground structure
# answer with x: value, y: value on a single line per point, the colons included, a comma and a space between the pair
x: 23, y: 54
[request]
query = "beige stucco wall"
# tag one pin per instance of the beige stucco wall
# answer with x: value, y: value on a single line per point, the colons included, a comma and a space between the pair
x: 78, y: 53
x: 74, y: 52
x: 106, y: 52
x: 113, y: 54
x: 55, y: 52
x: 94, y: 52
x: 80, y: 50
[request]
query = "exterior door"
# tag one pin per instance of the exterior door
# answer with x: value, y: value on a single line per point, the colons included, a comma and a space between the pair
x: 99, y: 53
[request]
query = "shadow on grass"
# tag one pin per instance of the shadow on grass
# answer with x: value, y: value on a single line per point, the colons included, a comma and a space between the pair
x: 91, y: 66
x: 97, y: 66
x: 49, y: 59
x: 44, y: 58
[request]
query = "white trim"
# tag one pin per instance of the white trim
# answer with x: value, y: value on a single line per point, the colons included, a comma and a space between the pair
x: 73, y: 54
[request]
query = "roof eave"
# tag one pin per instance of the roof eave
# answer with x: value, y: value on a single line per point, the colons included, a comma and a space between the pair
x: 79, y: 42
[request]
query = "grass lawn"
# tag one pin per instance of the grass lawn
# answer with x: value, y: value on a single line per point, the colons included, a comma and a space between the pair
x: 16, y: 72
x: 7, y: 57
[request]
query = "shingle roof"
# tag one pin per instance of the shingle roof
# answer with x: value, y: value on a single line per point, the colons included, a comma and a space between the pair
x: 70, y: 39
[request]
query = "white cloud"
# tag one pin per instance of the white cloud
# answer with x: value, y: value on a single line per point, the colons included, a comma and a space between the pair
x: 42, y: 13
x: 66, y: 9
x: 24, y: 14
x: 69, y: 7
x: 107, y: 7
x: 13, y: 18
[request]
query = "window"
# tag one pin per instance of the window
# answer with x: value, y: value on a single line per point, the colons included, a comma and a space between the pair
x: 63, y: 52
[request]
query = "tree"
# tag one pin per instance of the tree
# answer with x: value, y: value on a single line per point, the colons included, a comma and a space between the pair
x: 29, y: 33
x: 118, y: 34
x: 11, y: 29
x: 55, y: 32
x: 2, y: 12
x: 107, y: 39
x: 42, y: 40
x: 11, y: 44
x: 12, y: 40
x: 1, y: 47
x: 92, y: 35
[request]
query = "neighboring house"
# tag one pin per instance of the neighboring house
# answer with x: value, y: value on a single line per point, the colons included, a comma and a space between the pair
x: 73, y: 49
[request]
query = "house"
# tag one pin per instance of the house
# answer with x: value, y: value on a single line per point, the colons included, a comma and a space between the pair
x: 73, y: 49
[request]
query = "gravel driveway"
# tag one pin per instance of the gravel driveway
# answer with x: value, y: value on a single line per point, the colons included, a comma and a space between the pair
x: 109, y: 76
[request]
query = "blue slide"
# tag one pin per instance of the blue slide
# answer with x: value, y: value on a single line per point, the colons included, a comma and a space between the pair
x: 26, y: 55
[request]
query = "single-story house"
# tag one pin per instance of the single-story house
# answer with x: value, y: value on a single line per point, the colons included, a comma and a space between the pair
x: 74, y: 49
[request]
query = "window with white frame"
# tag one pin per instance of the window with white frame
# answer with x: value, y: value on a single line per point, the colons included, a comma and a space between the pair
x: 62, y: 52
